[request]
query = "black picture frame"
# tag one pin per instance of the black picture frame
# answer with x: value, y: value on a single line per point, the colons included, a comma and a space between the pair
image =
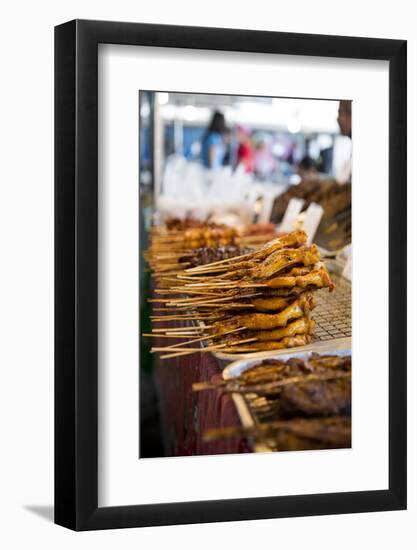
x: 76, y: 271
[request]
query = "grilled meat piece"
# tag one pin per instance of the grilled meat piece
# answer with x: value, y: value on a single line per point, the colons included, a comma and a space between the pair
x: 208, y: 255
x: 275, y: 370
x: 281, y: 259
x: 320, y: 386
x: 177, y: 224
x: 268, y: 321
x: 317, y: 398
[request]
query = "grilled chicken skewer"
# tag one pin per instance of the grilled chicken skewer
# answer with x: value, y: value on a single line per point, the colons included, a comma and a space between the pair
x: 290, y: 240
x: 267, y: 294
x: 272, y: 370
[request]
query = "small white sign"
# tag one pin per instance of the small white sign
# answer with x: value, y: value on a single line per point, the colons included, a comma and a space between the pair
x: 291, y: 214
x: 312, y: 220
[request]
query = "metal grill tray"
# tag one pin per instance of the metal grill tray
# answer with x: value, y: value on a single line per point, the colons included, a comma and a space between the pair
x: 333, y: 317
x: 247, y: 416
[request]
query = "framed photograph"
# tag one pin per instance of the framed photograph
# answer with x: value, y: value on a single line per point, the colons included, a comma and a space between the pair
x: 230, y: 275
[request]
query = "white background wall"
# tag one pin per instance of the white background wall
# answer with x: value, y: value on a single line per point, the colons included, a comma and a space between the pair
x: 26, y: 285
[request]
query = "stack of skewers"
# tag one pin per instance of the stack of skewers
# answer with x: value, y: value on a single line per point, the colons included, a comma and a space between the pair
x: 186, y: 243
x: 257, y: 301
x: 297, y: 404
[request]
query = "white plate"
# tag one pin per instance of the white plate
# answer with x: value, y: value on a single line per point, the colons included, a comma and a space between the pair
x: 238, y: 367
x: 319, y: 347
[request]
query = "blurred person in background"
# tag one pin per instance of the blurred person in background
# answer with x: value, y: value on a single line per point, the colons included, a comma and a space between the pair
x: 213, y: 146
x: 244, y: 153
x: 290, y: 153
x: 307, y: 168
x: 264, y: 161
x: 344, y: 120
x: 227, y: 141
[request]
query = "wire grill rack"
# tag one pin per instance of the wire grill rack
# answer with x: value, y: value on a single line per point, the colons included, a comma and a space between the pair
x: 333, y: 313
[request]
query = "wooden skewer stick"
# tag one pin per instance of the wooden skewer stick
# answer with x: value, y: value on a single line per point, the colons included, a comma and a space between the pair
x: 229, y: 260
x: 190, y: 350
x: 175, y: 300
x: 203, y: 338
x: 181, y: 329
x: 180, y: 353
x: 187, y: 351
x: 200, y: 317
x: 192, y: 277
x: 161, y: 335
x: 223, y: 306
x: 246, y: 264
x: 180, y: 334
x: 166, y: 309
x: 238, y: 351
x: 188, y: 334
x: 198, y: 295
x: 214, y: 284
x: 180, y: 315
x: 180, y: 290
x: 215, y: 299
x: 158, y: 332
x: 227, y: 285
x: 177, y: 335
x: 159, y: 300
x: 194, y: 296
x: 202, y: 386
x: 203, y: 274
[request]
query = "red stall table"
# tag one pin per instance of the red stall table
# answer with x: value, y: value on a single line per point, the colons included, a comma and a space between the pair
x: 185, y: 415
